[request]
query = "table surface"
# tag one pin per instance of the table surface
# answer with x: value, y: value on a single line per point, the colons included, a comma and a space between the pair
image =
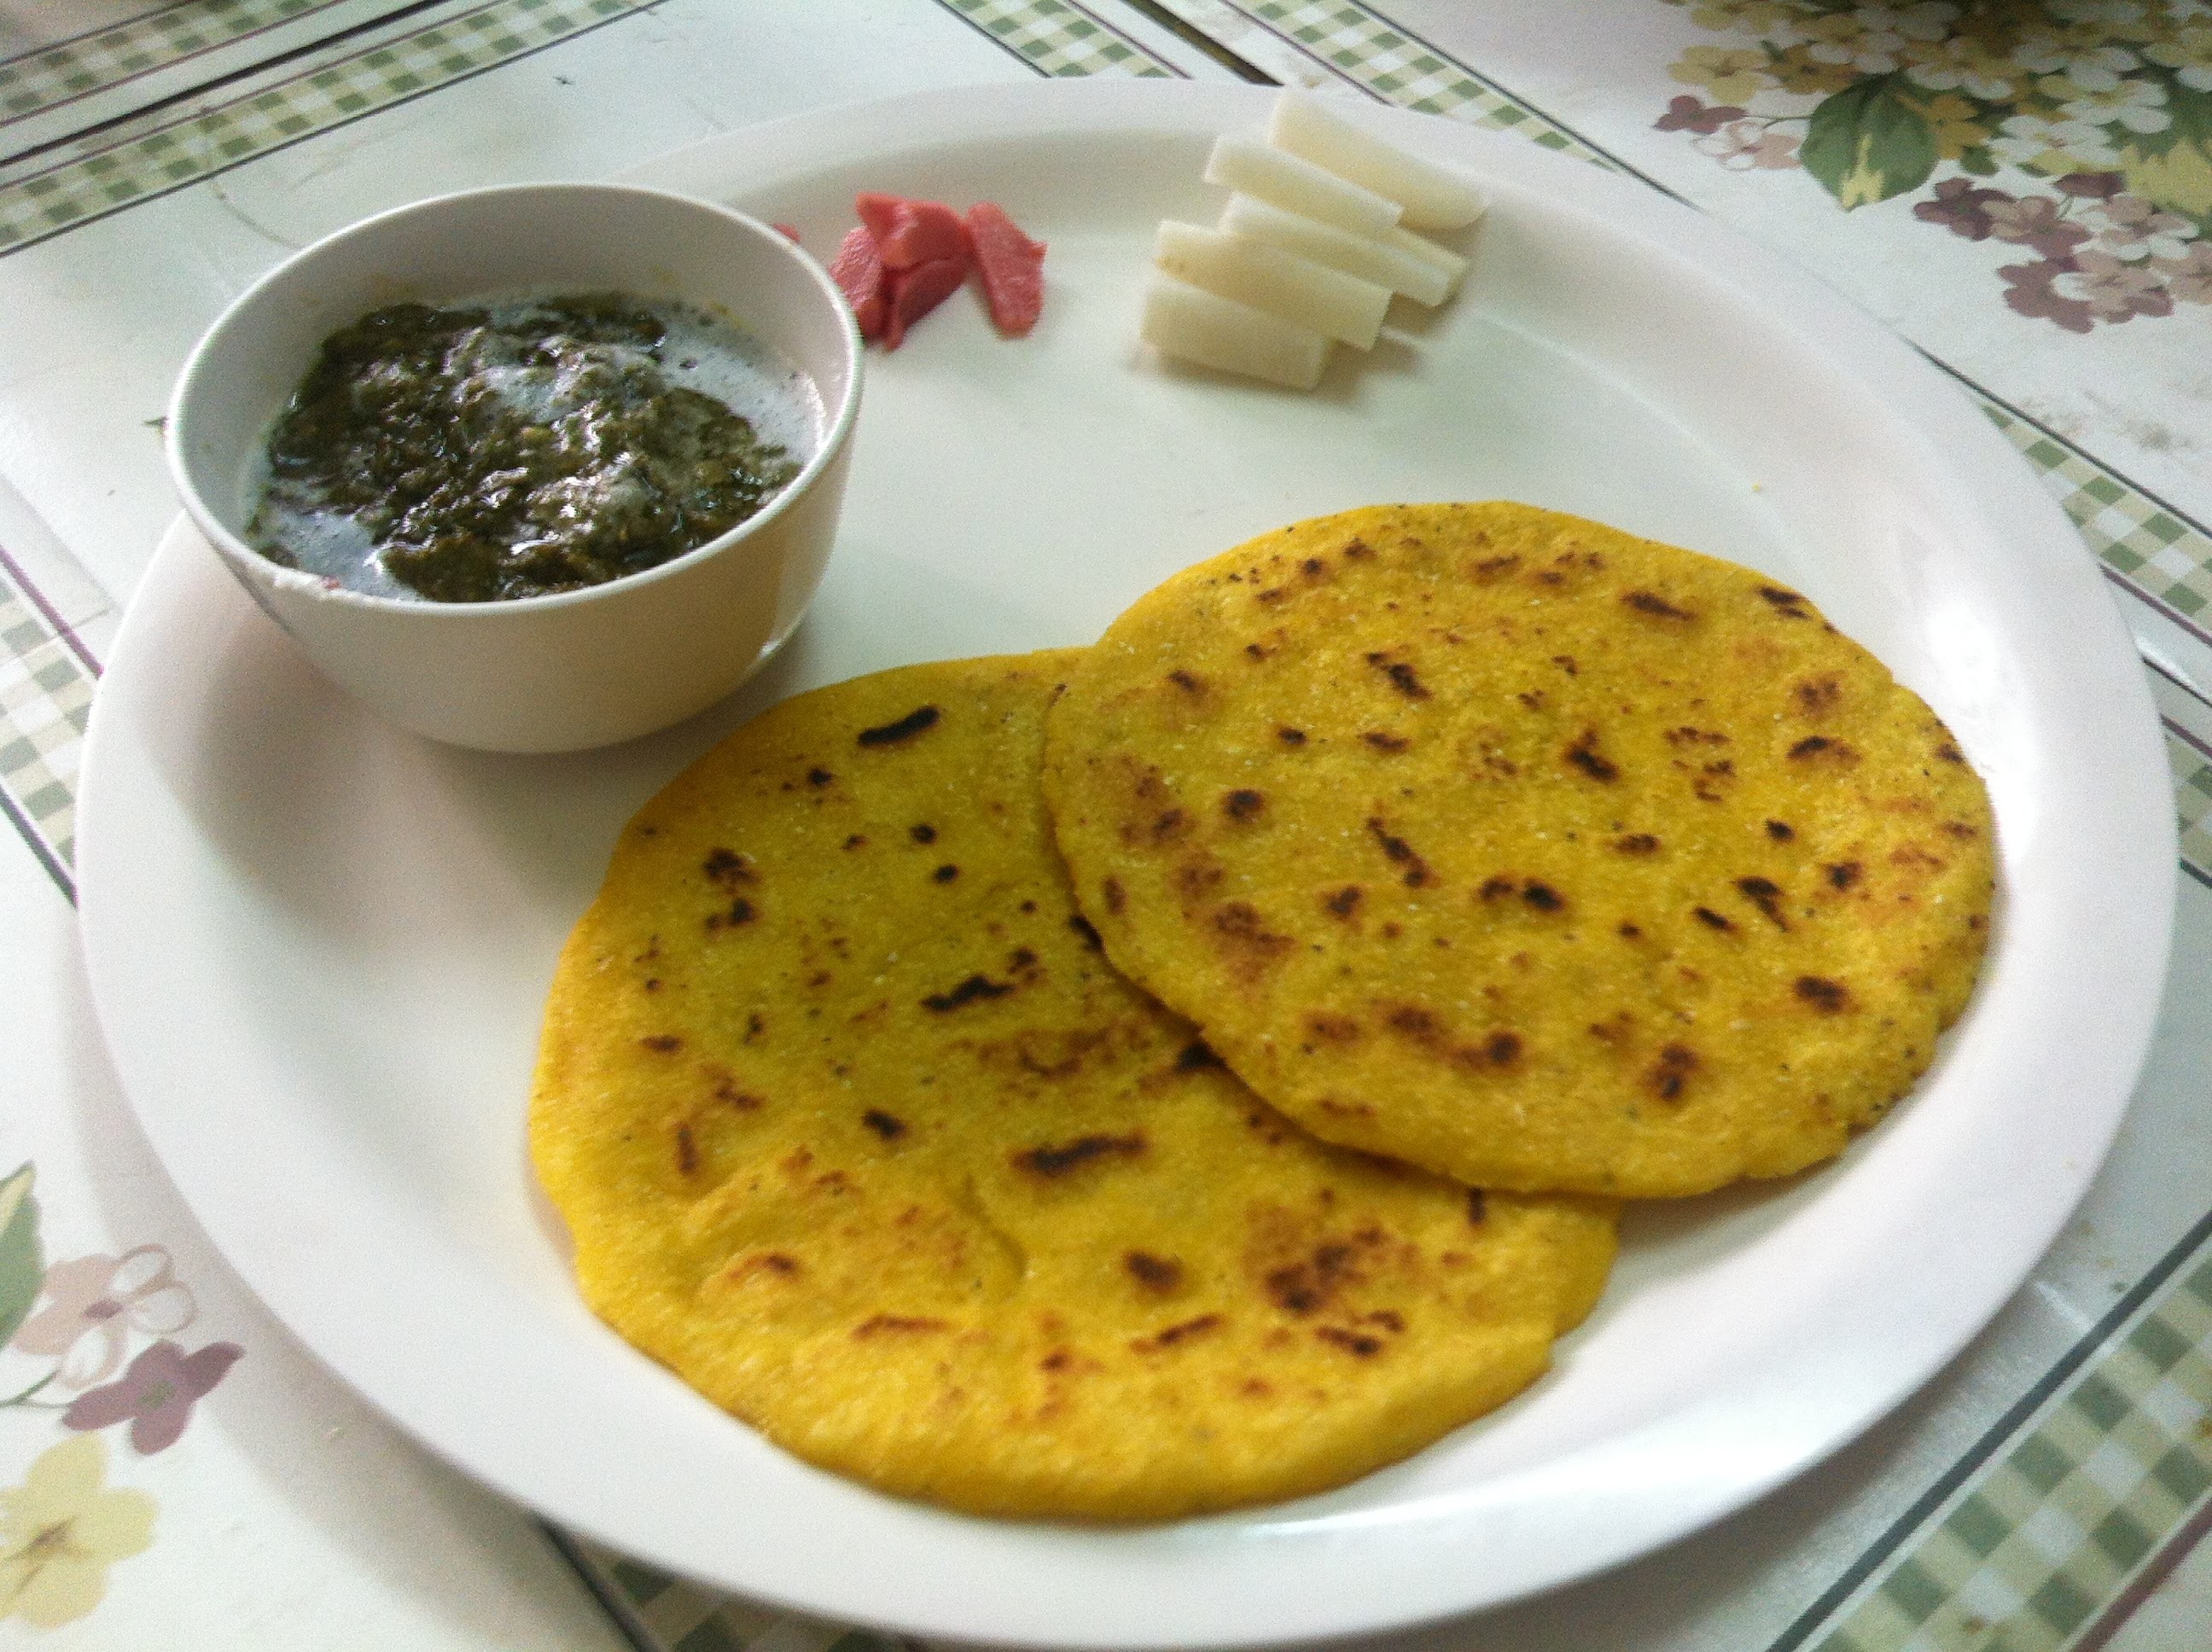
x: 2022, y: 190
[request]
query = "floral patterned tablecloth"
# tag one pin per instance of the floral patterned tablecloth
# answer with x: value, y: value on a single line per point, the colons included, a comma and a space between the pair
x: 2023, y: 188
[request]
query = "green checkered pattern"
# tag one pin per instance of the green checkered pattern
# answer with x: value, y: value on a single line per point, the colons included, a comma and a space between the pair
x: 39, y: 80
x: 1059, y: 38
x: 2192, y: 794
x: 2151, y: 547
x: 2029, y: 1554
x: 1372, y: 54
x: 46, y: 699
x: 685, y: 1617
x: 194, y: 147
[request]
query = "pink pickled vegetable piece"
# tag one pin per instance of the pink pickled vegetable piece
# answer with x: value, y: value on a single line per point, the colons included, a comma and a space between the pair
x: 915, y: 293
x: 912, y: 233
x: 858, y: 269
x: 1011, y: 266
x: 786, y: 232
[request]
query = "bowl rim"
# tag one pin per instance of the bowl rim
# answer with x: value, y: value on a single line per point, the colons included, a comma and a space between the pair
x: 836, y: 430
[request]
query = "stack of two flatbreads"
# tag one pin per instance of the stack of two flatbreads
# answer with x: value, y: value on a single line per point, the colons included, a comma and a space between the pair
x: 1197, y: 1070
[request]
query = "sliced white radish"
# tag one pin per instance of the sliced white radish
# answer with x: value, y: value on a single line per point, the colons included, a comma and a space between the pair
x: 1432, y: 197
x: 1421, y: 246
x: 1381, y: 261
x: 1195, y: 325
x: 1247, y: 163
x: 1268, y: 278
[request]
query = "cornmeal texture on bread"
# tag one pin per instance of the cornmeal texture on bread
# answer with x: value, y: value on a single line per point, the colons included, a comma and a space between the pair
x: 1526, y: 850
x: 858, y: 1131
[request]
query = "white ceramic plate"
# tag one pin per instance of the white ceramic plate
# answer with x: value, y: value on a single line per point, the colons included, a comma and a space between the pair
x: 318, y: 946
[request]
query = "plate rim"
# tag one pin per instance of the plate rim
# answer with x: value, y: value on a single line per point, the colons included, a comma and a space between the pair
x: 1940, y: 413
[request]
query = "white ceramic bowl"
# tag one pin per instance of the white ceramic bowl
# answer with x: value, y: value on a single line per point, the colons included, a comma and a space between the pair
x: 577, y: 668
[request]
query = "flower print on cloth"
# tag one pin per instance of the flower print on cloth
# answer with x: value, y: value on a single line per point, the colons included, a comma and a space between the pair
x: 61, y: 1530
x: 155, y: 1396
x: 94, y: 1304
x: 63, y: 1526
x: 2108, y: 103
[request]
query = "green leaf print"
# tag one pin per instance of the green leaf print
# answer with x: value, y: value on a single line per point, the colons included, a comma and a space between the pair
x: 1865, y: 143
x: 23, y: 1268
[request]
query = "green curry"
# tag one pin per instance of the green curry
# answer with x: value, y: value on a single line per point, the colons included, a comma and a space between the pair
x: 510, y: 451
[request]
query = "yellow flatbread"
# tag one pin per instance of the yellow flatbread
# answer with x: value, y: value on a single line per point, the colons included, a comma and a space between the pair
x: 1526, y: 850
x: 856, y: 1130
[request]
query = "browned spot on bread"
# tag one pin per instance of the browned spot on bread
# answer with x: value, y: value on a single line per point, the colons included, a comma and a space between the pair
x: 1500, y: 1049
x: 1242, y: 926
x: 740, y: 912
x: 1950, y: 753
x: 1068, y: 1156
x: 1637, y: 843
x: 1243, y: 804
x: 1403, y: 677
x: 1629, y: 933
x: 1331, y: 1028
x: 762, y: 1262
x: 1174, y: 1333
x: 1344, y: 901
x: 819, y: 777
x: 1786, y: 602
x: 1399, y: 851
x: 1083, y: 926
x: 1712, y: 920
x: 974, y: 989
x: 1352, y: 1342
x: 727, y: 869
x: 1816, y: 694
x: 1820, y: 746
x: 1843, y: 874
x: 1116, y: 897
x: 1687, y: 736
x: 1290, y: 736
x: 884, y: 1124
x: 1543, y: 897
x: 1478, y: 1207
x: 1960, y: 830
x: 945, y: 873
x: 1312, y: 568
x: 1307, y: 1286
x: 1651, y: 603
x: 1495, y: 567
x: 1667, y: 1077
x: 1384, y: 742
x: 1828, y: 997
x: 1357, y: 549
x: 1413, y: 1022
x: 662, y: 1043
x: 924, y: 832
x: 1195, y: 879
x: 1188, y: 683
x: 1779, y: 831
x: 1583, y: 754
x: 886, y: 1324
x: 920, y: 720
x: 1766, y: 895
x: 1160, y: 1273
x: 1567, y: 663
x: 855, y: 841
x: 687, y: 1151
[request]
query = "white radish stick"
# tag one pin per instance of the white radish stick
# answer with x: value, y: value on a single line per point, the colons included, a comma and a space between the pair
x: 1432, y: 197
x: 1195, y: 325
x: 1241, y: 161
x: 1421, y: 246
x: 1311, y: 294
x: 1371, y: 259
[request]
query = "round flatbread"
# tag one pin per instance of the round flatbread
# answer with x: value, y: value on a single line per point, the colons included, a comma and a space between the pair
x: 1518, y: 847
x: 856, y: 1129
